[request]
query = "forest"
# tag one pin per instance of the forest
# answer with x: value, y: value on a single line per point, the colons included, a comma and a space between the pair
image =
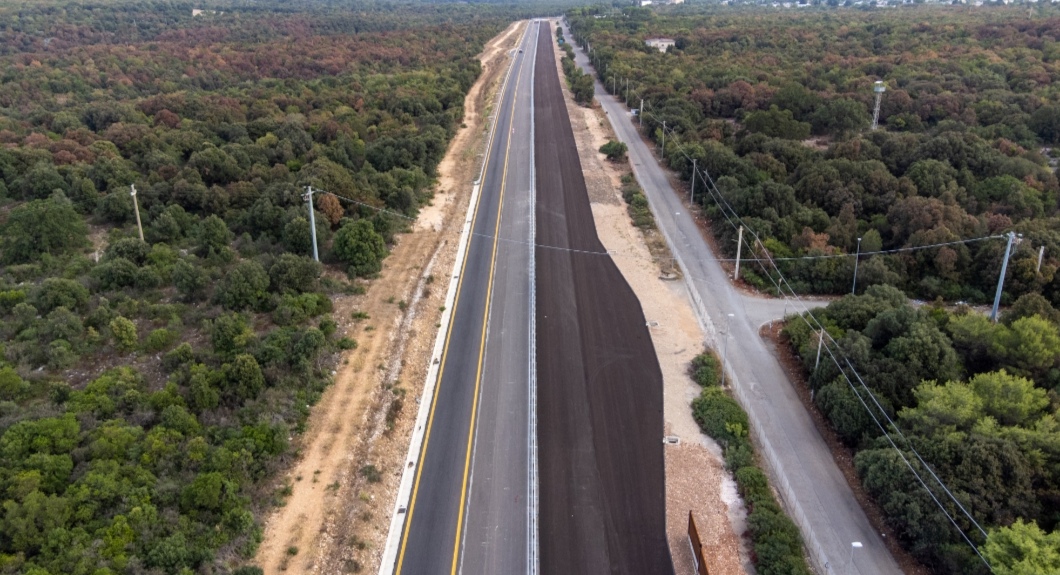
x: 951, y: 419
x: 776, y: 107
x: 150, y: 388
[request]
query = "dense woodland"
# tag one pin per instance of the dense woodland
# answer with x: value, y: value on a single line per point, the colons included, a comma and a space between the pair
x: 776, y: 106
x: 149, y: 390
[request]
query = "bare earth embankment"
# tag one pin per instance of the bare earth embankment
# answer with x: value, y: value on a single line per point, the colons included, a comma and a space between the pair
x: 343, y: 485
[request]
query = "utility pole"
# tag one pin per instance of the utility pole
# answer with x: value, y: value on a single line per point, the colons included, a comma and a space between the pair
x: 692, y: 196
x: 856, y: 258
x: 614, y: 83
x: 739, y: 246
x: 1041, y: 253
x: 1001, y: 280
x: 136, y: 208
x: 627, y: 92
x: 312, y: 220
x: 640, y: 111
x: 820, y: 344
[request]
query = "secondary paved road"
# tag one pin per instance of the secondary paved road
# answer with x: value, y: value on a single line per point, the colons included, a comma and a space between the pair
x: 801, y: 462
x: 468, y: 511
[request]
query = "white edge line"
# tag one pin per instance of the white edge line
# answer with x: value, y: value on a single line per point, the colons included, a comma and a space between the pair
x: 388, y: 564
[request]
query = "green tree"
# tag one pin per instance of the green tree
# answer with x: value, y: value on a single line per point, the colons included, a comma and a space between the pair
x: 212, y: 235
x: 243, y: 376
x: 124, y: 332
x: 190, y: 280
x: 840, y: 117
x: 229, y: 334
x: 244, y: 287
x: 41, y: 227
x: 358, y: 245
x: 777, y: 123
x: 1022, y: 549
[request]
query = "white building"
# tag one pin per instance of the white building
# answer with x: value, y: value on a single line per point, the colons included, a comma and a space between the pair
x: 661, y: 44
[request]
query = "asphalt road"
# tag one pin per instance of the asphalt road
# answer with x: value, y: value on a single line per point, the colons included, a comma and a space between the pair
x: 810, y: 482
x: 468, y: 511
x: 602, y: 504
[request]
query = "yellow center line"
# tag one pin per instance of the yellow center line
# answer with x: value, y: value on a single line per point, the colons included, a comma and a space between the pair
x: 445, y: 353
x: 485, y: 319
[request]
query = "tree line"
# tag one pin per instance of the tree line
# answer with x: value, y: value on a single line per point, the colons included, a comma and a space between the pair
x: 149, y: 390
x: 776, y: 107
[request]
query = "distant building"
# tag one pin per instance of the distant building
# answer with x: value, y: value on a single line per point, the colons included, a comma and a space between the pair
x: 661, y: 44
x: 644, y: 3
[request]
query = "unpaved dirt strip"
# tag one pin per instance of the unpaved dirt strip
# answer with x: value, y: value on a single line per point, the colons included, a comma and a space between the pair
x: 600, y: 395
x: 336, y: 518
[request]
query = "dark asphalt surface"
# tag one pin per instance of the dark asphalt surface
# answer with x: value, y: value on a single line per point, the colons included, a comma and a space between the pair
x: 600, y: 402
x: 496, y: 516
x: 496, y: 534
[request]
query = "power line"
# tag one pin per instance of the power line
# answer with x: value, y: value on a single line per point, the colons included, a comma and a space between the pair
x: 722, y: 203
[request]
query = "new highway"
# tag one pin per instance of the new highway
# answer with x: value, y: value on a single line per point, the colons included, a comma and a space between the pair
x: 471, y: 506
x: 813, y: 489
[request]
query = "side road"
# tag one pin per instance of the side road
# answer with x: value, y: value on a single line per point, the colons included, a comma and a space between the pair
x: 810, y: 484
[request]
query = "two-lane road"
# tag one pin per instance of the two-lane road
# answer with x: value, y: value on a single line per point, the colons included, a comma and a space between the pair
x: 470, y: 508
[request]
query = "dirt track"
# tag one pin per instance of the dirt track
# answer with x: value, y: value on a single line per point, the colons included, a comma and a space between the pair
x: 600, y: 394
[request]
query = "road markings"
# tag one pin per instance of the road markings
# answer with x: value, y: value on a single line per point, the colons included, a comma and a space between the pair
x: 485, y: 321
x: 441, y: 370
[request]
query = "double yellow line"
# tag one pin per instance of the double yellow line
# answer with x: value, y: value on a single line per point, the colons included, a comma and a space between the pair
x: 481, y: 351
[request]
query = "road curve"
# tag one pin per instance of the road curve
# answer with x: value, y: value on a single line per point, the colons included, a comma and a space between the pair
x: 809, y: 481
x: 468, y: 507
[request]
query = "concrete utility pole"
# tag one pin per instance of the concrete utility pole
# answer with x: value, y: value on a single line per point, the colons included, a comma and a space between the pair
x: 640, y: 111
x: 879, y: 88
x: 739, y: 247
x: 1001, y: 280
x: 664, y: 140
x: 627, y: 92
x: 136, y: 208
x: 312, y: 220
x: 1041, y: 253
x: 692, y: 196
x: 614, y: 83
x: 820, y: 344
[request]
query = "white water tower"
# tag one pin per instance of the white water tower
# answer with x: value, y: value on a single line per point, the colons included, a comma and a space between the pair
x: 879, y: 88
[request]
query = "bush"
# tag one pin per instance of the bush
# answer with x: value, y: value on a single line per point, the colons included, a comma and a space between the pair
x: 705, y: 370
x: 719, y: 416
x: 159, y: 339
x: 40, y: 227
x: 614, y: 150
x: 124, y: 332
x: 59, y: 292
x: 177, y: 357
